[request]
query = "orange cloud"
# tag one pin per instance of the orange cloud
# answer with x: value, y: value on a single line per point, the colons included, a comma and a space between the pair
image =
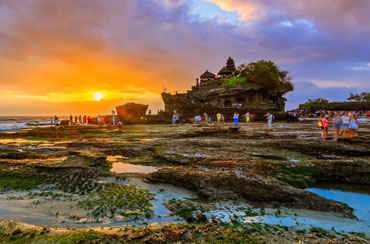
x: 248, y: 10
x: 55, y: 54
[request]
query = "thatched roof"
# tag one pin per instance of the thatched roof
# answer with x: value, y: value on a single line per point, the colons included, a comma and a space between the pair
x: 225, y: 71
x: 207, y: 75
x: 230, y: 64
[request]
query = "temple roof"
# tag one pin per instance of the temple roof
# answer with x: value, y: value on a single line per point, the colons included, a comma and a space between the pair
x: 207, y: 75
x: 230, y: 64
x: 225, y: 71
x: 230, y: 60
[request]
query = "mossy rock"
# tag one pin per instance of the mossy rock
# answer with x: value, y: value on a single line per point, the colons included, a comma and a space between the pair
x: 86, y: 158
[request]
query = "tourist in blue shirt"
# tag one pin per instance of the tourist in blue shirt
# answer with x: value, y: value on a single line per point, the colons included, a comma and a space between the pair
x: 236, y: 119
x: 269, y: 118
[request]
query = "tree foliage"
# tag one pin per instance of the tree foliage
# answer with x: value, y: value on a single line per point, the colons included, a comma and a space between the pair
x: 234, y: 80
x: 316, y: 104
x: 363, y: 97
x: 266, y: 74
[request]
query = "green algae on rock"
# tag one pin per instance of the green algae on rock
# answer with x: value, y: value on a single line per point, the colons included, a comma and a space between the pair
x: 119, y: 199
x: 13, y: 232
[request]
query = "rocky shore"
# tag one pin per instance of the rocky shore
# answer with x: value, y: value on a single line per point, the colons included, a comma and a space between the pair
x: 213, y: 187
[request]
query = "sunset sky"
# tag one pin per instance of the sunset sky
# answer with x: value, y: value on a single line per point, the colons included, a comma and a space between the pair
x: 62, y: 56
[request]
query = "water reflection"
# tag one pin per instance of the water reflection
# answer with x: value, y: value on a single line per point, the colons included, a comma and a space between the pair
x: 132, y: 168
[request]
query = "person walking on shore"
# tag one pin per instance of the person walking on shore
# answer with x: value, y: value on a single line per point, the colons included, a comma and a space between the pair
x: 80, y: 119
x: 337, y: 124
x: 174, y: 119
x: 269, y: 117
x: 56, y: 121
x: 177, y: 118
x: 345, y: 125
x: 219, y: 118
x: 197, y: 119
x: 236, y: 119
x: 71, y: 119
x: 247, y: 117
x: 89, y: 120
x: 324, y: 126
x: 353, y: 126
x: 51, y: 120
x: 205, y: 117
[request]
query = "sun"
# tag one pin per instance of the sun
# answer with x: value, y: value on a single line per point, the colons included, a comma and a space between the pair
x: 98, y: 96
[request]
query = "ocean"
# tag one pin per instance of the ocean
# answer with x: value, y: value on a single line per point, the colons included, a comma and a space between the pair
x: 10, y: 123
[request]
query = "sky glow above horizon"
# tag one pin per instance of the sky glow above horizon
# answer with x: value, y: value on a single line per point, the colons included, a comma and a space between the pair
x: 55, y: 55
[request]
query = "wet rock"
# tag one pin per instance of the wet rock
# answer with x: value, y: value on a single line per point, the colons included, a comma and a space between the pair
x: 326, y: 150
x: 174, y: 156
x: 15, y: 154
x: 251, y: 187
x: 303, y: 175
x: 86, y: 158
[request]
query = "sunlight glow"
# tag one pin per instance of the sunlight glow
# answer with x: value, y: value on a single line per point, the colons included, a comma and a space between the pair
x: 98, y: 96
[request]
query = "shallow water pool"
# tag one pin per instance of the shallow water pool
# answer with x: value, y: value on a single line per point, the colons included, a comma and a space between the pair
x: 358, y: 200
x: 132, y: 168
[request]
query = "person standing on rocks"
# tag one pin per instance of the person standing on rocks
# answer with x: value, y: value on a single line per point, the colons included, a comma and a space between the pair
x: 174, y: 119
x: 236, y: 119
x: 324, y: 126
x: 269, y: 118
x: 219, y: 118
x: 247, y: 117
x: 177, y: 118
x: 353, y: 126
x: 197, y: 119
x: 345, y: 124
x: 99, y: 119
x: 337, y: 123
x: 205, y: 117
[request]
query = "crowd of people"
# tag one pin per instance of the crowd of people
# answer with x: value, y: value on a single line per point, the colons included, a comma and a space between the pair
x: 304, y: 113
x: 220, y: 118
x: 344, y: 124
x: 88, y: 120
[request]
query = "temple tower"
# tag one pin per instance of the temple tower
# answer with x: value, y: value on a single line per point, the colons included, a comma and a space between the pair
x: 230, y: 64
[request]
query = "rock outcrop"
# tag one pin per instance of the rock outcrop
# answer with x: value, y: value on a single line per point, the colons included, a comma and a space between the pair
x: 248, y: 186
x: 131, y: 112
x: 215, y: 94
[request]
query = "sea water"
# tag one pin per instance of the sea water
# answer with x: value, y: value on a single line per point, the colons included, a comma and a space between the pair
x: 8, y: 123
